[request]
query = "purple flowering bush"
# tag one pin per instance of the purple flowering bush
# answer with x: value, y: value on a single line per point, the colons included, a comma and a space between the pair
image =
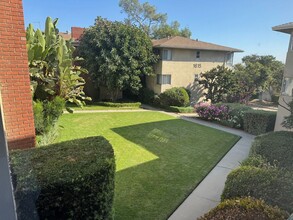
x: 212, y: 112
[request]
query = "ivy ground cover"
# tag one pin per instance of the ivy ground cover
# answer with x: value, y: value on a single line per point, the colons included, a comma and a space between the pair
x: 160, y: 159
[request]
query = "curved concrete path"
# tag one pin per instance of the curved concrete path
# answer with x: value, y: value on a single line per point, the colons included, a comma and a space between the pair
x: 207, y: 194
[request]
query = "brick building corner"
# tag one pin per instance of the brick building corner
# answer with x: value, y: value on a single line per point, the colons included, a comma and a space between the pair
x: 14, y: 77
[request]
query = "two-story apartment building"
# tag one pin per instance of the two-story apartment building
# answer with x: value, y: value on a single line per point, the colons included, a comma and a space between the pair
x: 287, y: 86
x: 183, y: 59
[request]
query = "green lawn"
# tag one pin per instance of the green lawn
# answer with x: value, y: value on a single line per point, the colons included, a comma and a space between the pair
x: 160, y: 159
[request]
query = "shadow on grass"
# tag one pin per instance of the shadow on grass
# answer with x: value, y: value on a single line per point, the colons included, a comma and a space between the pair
x: 186, y: 151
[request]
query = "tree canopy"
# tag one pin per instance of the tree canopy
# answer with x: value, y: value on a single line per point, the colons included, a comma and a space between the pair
x: 255, y: 74
x: 117, y: 55
x: 153, y: 23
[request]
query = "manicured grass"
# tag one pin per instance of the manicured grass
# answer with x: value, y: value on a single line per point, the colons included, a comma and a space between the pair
x: 160, y: 159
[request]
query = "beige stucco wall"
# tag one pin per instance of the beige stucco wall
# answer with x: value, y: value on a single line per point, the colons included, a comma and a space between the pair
x: 282, y: 112
x: 183, y: 68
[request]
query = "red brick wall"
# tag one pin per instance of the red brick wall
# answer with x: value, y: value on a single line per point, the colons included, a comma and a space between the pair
x: 14, y: 77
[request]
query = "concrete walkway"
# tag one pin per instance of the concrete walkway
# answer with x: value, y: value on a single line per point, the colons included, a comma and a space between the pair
x: 207, y: 194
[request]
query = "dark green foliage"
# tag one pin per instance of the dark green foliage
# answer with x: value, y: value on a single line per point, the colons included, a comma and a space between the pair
x: 181, y: 109
x: 146, y: 96
x: 69, y: 180
x: 117, y: 55
x: 39, y: 117
x: 275, y: 147
x: 245, y: 209
x: 270, y: 184
x: 120, y: 104
x: 216, y: 83
x: 46, y: 113
x: 235, y: 115
x: 176, y: 96
x: 259, y: 122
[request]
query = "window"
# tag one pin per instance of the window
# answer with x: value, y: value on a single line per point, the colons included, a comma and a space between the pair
x: 167, y: 55
x: 291, y: 43
x: 229, y: 59
x: 287, y: 88
x: 196, y: 77
x: 163, y: 79
x: 197, y: 55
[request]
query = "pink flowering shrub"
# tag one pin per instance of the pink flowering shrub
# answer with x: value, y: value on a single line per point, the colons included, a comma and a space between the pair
x: 212, y: 112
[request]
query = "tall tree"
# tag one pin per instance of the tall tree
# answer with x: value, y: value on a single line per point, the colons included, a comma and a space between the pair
x: 216, y: 83
x: 257, y: 74
x: 116, y: 55
x: 146, y: 17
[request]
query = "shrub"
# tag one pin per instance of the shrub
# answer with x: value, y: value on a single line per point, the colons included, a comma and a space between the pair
x: 256, y: 161
x: 258, y: 122
x: 235, y: 115
x: 174, y: 97
x: 46, y: 114
x: 276, y: 147
x: 120, y: 104
x: 68, y: 180
x: 181, y: 109
x: 147, y: 96
x: 270, y: 184
x: 245, y: 209
x: 39, y: 117
x: 211, y: 112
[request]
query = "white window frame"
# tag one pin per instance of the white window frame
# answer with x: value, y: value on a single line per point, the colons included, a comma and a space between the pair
x: 167, y: 54
x: 164, y: 79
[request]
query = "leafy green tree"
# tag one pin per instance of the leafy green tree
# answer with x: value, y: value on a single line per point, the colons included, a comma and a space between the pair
x: 256, y: 74
x: 216, y: 83
x: 51, y: 65
x: 117, y: 55
x: 166, y: 30
x: 146, y: 17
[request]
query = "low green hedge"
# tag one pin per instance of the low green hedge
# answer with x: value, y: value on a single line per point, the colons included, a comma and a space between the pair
x: 259, y: 122
x: 276, y: 147
x: 236, y: 114
x: 120, y: 104
x: 245, y: 209
x: 68, y: 180
x: 270, y: 184
x: 176, y: 96
x: 181, y: 109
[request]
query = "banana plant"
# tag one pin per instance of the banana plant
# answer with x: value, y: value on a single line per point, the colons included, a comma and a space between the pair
x: 51, y: 64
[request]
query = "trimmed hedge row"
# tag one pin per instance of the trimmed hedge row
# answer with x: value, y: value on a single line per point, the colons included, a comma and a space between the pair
x: 68, y: 180
x: 259, y: 122
x: 245, y: 209
x: 270, y: 184
x: 181, y: 109
x: 120, y: 104
x: 276, y: 148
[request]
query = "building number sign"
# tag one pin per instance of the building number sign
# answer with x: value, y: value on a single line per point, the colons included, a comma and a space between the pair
x: 197, y: 65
